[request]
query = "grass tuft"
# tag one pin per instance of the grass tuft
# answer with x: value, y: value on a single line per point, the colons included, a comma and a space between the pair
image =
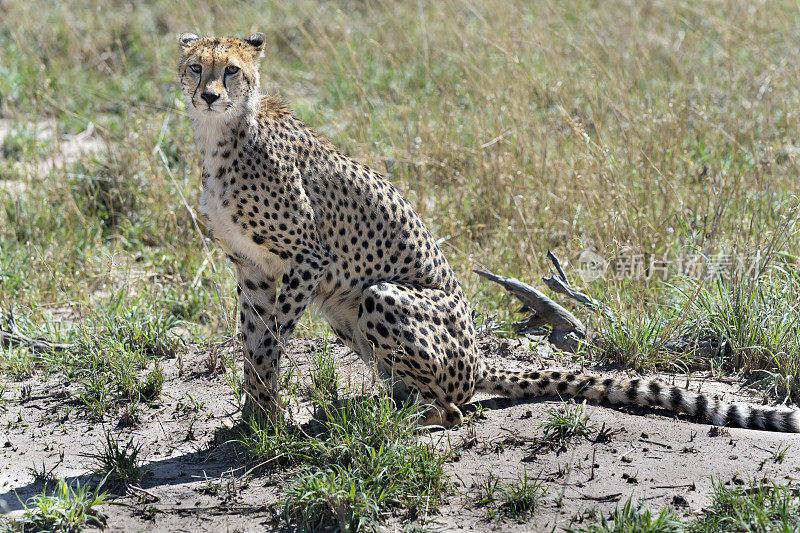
x: 66, y: 510
x: 324, y: 376
x: 635, y: 518
x: 568, y: 422
x: 118, y: 465
x: 761, y: 507
x: 516, y: 500
x: 361, y: 461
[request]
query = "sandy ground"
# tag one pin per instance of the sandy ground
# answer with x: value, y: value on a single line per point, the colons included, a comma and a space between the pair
x: 651, y: 455
x: 61, y: 149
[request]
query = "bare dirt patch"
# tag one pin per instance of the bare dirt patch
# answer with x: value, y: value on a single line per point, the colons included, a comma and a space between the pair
x: 61, y: 149
x: 199, y: 481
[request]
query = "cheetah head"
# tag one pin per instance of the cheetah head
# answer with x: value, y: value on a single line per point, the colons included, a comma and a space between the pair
x: 219, y: 75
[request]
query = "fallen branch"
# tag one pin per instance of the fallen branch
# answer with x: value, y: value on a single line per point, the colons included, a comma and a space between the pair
x: 566, y: 332
x: 11, y: 337
x: 558, y: 283
x: 563, y: 329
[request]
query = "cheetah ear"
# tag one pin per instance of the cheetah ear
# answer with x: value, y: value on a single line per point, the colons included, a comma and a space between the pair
x: 257, y: 41
x: 186, y: 40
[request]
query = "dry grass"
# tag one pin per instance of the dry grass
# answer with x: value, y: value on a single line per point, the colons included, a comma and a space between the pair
x: 625, y: 127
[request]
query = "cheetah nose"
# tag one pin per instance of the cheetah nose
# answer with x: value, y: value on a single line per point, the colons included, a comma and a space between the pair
x: 210, y: 98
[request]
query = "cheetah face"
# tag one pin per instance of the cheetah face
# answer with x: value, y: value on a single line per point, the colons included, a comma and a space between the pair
x: 219, y: 75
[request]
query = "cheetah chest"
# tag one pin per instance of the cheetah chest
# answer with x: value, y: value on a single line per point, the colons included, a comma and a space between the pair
x: 218, y: 208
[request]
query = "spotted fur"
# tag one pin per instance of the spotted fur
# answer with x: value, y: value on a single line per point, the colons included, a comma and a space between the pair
x: 644, y: 392
x: 292, y: 211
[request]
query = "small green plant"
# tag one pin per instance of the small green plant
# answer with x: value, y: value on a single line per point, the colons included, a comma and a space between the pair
x: 234, y: 381
x: 361, y: 460
x: 108, y: 375
x: 478, y: 414
x: 271, y: 444
x: 16, y: 363
x: 44, y: 474
x: 762, y: 506
x: 779, y: 455
x: 130, y: 414
x: 152, y: 385
x: 517, y: 500
x: 636, y: 339
x: 211, y: 487
x: 568, y: 422
x: 3, y: 399
x: 632, y: 518
x: 95, y: 396
x: 118, y: 465
x: 129, y: 386
x: 488, y: 493
x: 324, y: 376
x: 522, y: 497
x: 139, y: 327
x: 67, y: 509
x: 188, y: 404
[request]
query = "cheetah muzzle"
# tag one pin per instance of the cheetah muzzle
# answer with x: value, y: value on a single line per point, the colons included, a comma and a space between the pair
x: 289, y: 208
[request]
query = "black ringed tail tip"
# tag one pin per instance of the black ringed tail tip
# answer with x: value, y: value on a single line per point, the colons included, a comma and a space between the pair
x: 638, y: 392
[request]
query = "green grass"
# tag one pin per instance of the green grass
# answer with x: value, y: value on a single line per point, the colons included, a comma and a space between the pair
x: 358, y: 462
x: 363, y: 462
x: 44, y: 474
x: 761, y: 507
x: 634, y: 518
x: 517, y: 500
x: 567, y: 422
x: 324, y: 376
x: 117, y: 464
x: 115, y: 360
x: 3, y: 398
x: 17, y: 363
x: 66, y: 509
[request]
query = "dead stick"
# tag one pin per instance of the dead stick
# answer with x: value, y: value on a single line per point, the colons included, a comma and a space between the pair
x: 565, y: 330
x: 604, y: 498
x: 9, y: 339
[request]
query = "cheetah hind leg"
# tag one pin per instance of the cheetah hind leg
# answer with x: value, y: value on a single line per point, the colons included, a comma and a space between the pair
x: 416, y: 349
x: 344, y: 322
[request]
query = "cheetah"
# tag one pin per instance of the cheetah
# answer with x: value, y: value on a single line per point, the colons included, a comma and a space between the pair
x: 292, y: 211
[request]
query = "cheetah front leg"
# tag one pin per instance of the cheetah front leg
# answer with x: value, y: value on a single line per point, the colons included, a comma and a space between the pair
x: 257, y: 289
x: 302, y: 276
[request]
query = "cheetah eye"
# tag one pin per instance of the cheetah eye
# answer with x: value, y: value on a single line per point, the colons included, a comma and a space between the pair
x: 230, y: 69
x: 196, y: 68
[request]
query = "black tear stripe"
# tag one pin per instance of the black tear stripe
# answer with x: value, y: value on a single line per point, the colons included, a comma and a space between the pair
x: 199, y: 79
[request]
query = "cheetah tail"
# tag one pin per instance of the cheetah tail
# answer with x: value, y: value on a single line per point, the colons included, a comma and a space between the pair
x: 637, y: 392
